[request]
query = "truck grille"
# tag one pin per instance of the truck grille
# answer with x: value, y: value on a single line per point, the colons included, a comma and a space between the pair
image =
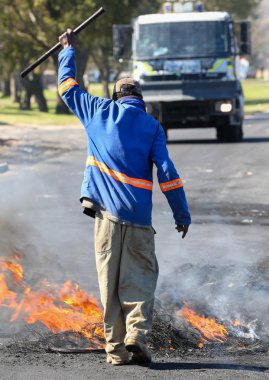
x: 175, y: 111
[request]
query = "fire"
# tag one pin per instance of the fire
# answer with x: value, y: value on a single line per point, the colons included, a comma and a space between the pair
x: 59, y: 308
x: 7, y: 297
x: 208, y: 327
x: 13, y: 266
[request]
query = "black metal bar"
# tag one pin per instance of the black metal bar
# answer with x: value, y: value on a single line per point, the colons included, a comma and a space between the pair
x: 58, y: 45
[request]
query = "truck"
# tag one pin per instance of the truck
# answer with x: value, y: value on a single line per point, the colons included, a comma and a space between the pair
x: 188, y: 64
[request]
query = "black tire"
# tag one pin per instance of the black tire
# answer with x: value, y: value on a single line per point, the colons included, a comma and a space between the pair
x: 230, y: 133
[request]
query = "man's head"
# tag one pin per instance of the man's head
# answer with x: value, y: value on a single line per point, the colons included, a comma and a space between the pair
x: 127, y: 87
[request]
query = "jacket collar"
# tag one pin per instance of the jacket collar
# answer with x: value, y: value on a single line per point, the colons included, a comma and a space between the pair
x: 133, y: 101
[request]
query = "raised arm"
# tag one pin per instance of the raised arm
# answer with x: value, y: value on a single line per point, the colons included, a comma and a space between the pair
x: 82, y: 104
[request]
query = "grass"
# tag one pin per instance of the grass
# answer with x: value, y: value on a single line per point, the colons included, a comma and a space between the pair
x: 11, y: 114
x: 256, y: 100
x: 256, y: 96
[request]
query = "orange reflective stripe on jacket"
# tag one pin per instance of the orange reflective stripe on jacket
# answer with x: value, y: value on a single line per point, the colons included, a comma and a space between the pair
x: 65, y: 85
x: 171, y: 185
x: 136, y: 182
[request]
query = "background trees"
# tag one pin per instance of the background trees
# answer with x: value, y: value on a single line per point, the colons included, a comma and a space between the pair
x: 33, y: 26
x: 238, y: 8
x: 30, y: 27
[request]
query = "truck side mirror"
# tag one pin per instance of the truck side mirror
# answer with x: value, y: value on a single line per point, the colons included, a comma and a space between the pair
x: 245, y: 37
x: 122, y: 41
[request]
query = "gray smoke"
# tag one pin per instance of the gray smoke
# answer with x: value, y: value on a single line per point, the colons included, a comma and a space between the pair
x: 220, y: 269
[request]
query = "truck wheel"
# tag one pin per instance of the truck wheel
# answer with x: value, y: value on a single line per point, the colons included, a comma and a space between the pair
x: 230, y: 133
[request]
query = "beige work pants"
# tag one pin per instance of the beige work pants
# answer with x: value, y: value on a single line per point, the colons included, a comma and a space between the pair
x: 127, y: 274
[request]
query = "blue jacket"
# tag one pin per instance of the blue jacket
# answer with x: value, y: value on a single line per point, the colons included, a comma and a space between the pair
x: 123, y: 143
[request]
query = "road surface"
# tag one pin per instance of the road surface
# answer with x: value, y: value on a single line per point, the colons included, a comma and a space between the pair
x: 227, y: 244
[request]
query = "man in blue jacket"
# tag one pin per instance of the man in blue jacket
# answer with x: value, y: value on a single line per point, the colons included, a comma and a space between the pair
x: 123, y: 144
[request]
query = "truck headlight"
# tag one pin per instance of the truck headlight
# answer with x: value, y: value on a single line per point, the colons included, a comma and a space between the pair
x: 224, y: 107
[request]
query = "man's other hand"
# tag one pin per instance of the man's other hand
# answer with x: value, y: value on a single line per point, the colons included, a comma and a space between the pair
x: 67, y: 39
x: 183, y: 228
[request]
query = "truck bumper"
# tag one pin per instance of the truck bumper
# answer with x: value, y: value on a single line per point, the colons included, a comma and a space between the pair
x: 194, y: 104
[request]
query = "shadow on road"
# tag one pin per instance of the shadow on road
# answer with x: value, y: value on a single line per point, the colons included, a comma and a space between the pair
x: 203, y: 366
x: 191, y: 141
x: 214, y: 141
x: 255, y: 140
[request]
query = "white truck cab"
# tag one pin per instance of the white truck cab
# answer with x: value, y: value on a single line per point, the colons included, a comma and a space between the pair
x: 189, y: 67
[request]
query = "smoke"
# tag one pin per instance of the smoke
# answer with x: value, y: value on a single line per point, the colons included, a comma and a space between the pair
x: 221, y: 269
x: 41, y: 216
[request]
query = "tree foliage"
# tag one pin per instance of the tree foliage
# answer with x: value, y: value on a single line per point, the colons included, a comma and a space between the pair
x: 242, y: 9
x: 32, y: 26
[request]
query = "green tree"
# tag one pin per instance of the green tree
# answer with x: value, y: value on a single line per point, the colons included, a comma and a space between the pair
x: 242, y: 9
x: 19, y: 46
x: 33, y: 26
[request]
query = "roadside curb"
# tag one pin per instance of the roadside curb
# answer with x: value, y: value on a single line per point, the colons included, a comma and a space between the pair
x: 3, y: 167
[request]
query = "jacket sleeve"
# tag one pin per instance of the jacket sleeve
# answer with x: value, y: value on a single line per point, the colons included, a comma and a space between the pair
x: 169, y: 180
x: 82, y: 104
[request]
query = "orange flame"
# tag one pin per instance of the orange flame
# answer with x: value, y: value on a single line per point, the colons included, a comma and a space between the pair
x: 7, y: 297
x: 13, y: 266
x: 208, y: 327
x: 59, y: 308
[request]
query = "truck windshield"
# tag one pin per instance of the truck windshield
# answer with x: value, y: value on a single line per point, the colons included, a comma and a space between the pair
x: 182, y: 40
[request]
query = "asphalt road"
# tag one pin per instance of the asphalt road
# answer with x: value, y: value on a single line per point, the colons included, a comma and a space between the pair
x: 227, y: 190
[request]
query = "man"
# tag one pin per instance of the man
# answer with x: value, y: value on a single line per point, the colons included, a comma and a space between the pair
x: 123, y: 143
